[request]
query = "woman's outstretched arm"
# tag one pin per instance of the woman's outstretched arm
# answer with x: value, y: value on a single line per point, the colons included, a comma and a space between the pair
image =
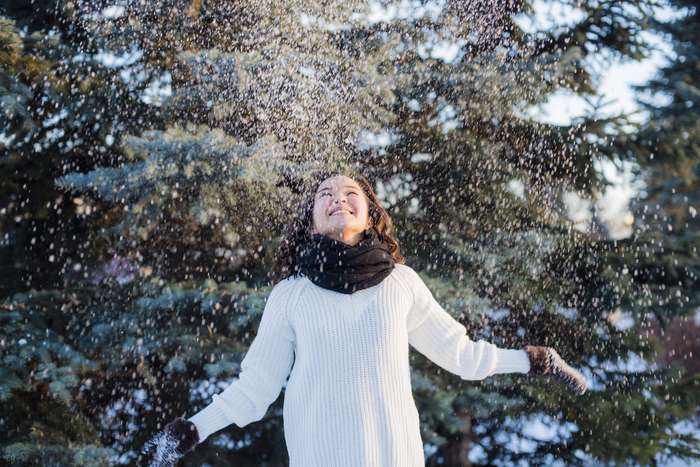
x: 437, y: 335
x: 444, y: 340
x: 264, y: 370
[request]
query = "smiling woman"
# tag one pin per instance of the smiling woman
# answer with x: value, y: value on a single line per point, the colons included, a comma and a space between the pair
x: 329, y: 191
x: 339, y: 326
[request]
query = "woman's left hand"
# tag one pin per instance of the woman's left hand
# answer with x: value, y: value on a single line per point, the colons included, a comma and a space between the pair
x: 546, y: 361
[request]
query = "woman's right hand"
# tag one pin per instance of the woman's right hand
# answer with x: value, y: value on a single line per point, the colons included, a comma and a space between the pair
x: 177, y: 438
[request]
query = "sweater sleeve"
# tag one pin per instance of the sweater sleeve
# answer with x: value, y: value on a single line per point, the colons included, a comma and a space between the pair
x: 444, y: 340
x: 264, y: 369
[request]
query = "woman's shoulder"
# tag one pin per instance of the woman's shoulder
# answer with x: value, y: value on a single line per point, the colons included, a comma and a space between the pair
x: 281, y: 295
x: 287, y: 282
x: 406, y: 272
x: 402, y: 267
x: 287, y: 285
x: 406, y: 276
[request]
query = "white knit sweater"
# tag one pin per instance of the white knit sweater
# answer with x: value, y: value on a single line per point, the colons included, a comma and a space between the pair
x: 348, y: 401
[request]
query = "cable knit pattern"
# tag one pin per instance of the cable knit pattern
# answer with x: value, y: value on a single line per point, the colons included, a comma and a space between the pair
x: 348, y: 401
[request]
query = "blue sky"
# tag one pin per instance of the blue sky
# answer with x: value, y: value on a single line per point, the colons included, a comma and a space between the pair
x: 615, y: 81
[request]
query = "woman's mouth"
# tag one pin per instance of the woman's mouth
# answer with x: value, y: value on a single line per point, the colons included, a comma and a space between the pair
x: 340, y: 211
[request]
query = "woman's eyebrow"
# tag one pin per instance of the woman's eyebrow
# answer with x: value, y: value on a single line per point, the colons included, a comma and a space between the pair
x: 346, y: 186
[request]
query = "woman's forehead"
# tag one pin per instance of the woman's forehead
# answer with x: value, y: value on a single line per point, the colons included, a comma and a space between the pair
x: 338, y: 180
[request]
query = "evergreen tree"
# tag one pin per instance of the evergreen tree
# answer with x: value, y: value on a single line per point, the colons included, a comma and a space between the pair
x: 513, y: 251
x: 60, y: 114
x: 220, y: 110
x: 64, y: 110
x: 667, y: 275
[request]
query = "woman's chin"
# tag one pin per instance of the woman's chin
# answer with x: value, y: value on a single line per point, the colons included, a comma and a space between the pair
x: 340, y: 231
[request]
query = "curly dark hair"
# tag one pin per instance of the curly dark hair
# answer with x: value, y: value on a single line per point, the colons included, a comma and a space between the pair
x: 298, y: 231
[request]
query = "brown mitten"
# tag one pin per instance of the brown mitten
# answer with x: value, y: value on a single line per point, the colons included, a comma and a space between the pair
x: 546, y: 361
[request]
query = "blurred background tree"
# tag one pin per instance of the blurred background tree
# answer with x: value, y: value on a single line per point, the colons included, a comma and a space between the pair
x: 152, y: 154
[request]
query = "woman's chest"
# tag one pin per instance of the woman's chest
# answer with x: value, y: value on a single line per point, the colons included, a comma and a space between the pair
x: 369, y: 320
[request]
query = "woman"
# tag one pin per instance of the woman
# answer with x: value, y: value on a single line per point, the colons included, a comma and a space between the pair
x: 345, y: 314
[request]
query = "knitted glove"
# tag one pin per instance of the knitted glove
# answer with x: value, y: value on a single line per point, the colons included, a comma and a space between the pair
x: 167, y: 447
x: 546, y: 361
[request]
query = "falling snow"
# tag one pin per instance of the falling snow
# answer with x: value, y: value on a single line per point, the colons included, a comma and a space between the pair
x: 154, y: 155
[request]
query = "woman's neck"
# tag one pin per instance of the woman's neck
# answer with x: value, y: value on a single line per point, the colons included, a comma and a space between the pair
x: 351, y: 238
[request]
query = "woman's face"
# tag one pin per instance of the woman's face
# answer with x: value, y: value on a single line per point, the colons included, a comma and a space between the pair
x: 340, y: 210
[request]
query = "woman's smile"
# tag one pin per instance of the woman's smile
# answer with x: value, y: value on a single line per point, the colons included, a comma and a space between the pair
x: 342, y: 211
